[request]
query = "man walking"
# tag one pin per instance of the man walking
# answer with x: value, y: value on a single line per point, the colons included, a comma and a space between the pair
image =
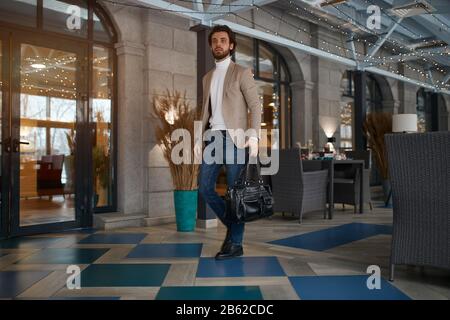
x: 230, y: 102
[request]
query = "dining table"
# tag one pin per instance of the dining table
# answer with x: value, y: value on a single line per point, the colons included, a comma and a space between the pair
x: 331, y: 165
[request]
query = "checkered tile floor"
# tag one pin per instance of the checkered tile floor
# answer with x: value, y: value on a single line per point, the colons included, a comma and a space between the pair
x: 319, y: 259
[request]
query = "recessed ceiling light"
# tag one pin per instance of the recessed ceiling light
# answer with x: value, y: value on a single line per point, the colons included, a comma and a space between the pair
x: 38, y: 66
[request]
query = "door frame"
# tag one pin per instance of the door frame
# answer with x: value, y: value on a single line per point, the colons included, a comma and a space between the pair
x: 83, y: 149
x: 5, y: 62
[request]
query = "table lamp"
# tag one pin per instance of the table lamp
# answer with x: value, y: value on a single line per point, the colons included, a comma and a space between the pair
x: 404, y: 123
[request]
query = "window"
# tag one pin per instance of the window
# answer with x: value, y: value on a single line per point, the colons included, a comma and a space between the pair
x: 374, y: 103
x: 272, y: 80
x: 22, y: 12
x: 423, y: 109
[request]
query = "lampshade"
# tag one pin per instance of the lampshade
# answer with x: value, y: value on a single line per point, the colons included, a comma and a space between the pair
x: 404, y: 123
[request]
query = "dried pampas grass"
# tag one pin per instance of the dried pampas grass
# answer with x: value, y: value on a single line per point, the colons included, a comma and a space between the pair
x: 174, y: 112
x: 376, y: 125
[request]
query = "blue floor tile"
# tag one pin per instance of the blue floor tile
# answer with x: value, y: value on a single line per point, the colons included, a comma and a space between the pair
x: 13, y: 283
x: 210, y: 293
x: 167, y: 250
x: 343, y: 288
x: 28, y: 243
x: 114, y: 238
x: 240, y: 267
x: 64, y: 256
x: 124, y: 275
x: 333, y: 237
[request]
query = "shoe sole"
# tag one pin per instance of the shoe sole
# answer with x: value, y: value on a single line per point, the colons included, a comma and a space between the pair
x: 230, y: 257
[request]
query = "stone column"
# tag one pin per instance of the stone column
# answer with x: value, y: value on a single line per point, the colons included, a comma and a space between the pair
x: 360, y: 108
x: 302, y: 114
x: 391, y: 106
x: 129, y: 116
x: 206, y: 218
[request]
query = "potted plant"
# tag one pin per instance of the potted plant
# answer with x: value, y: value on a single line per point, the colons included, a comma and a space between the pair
x: 376, y: 125
x: 173, y: 112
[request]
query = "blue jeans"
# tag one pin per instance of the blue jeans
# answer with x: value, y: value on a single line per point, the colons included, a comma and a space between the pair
x: 208, y: 177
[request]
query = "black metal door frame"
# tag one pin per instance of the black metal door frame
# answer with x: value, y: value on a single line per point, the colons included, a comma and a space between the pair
x: 10, y: 214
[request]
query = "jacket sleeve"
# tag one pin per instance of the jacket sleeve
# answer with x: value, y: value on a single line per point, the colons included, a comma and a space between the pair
x: 248, y: 89
x: 202, y: 110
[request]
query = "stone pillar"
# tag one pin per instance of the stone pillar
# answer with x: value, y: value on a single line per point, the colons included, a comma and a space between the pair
x: 302, y: 114
x: 360, y: 108
x: 130, y: 100
x: 206, y: 218
x: 391, y: 106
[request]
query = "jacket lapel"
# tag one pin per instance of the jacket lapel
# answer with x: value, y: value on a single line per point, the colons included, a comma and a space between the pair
x: 208, y: 83
x: 226, y: 82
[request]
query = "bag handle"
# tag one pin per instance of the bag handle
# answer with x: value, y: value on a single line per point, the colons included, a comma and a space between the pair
x: 258, y: 170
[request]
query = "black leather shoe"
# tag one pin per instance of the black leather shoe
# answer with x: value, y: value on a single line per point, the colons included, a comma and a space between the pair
x: 227, y: 242
x: 230, y: 252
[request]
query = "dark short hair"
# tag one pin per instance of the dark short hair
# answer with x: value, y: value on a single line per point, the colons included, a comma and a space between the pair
x: 224, y: 28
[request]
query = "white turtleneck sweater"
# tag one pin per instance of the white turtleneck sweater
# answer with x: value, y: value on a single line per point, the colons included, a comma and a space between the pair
x: 216, y: 89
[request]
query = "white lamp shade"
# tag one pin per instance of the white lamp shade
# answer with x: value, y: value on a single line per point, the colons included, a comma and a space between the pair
x: 404, y: 123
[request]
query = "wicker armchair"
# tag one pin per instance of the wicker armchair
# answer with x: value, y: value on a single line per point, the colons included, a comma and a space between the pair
x: 420, y: 178
x: 297, y: 191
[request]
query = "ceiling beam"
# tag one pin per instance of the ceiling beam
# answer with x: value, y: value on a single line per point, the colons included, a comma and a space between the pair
x: 214, y: 4
x: 198, y: 5
x: 320, y: 53
x: 275, y: 39
x: 351, y: 45
x: 234, y: 7
x: 383, y: 39
x: 446, y: 78
x: 254, y: 33
x: 182, y: 11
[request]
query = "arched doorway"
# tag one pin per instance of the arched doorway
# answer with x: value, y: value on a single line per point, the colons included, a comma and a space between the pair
x: 378, y: 99
x: 57, y: 100
x: 378, y: 95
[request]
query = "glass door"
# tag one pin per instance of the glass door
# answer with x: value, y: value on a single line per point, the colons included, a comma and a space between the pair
x: 48, y: 135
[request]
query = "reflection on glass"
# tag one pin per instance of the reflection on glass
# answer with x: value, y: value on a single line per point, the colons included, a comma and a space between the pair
x: 346, y: 125
x: 270, y: 104
x: 101, y: 118
x: 100, y: 31
x: 266, y: 62
x: 69, y: 17
x: 423, y: 117
x: 374, y: 96
x: 285, y: 108
x: 283, y: 76
x: 244, y: 52
x: 47, y: 127
x: 22, y: 12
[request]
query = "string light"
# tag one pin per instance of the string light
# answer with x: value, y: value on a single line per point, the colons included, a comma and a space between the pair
x: 423, y: 56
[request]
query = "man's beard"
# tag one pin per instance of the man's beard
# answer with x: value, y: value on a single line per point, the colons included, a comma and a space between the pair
x: 220, y: 55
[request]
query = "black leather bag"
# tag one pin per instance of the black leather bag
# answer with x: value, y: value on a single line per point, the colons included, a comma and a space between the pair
x: 249, y: 199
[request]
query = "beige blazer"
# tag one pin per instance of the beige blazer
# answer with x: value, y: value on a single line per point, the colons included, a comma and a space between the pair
x: 239, y: 98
